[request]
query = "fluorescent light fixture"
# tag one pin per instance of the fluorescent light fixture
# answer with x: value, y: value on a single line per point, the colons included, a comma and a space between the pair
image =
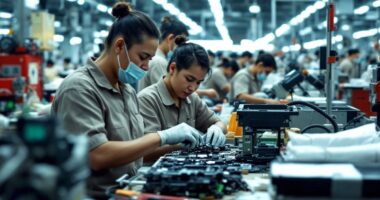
x: 108, y: 22
x: 5, y: 15
x: 4, y: 31
x: 103, y: 33
x: 71, y: 0
x: 339, y: 46
x: 109, y: 11
x: 102, y: 8
x: 361, y: 10
x: 319, y: 5
x: 282, y: 30
x: 57, y: 24
x: 80, y: 2
x: 59, y: 38
x: 75, y: 40
x: 32, y: 4
x: 321, y: 42
x: 254, y: 8
x: 345, y: 27
x: 98, y: 41
x: 173, y: 10
x: 306, y: 31
x: 376, y: 3
x: 364, y: 33
x: 217, y: 11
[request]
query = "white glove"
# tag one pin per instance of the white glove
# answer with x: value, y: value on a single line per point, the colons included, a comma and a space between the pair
x: 181, y: 133
x: 215, y: 136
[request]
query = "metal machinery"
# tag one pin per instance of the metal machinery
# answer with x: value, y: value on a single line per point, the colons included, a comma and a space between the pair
x: 375, y: 92
x: 41, y: 161
x: 255, y: 120
x: 20, y: 72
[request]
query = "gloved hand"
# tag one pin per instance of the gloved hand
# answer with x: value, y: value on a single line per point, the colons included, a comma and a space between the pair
x: 181, y: 133
x: 215, y: 136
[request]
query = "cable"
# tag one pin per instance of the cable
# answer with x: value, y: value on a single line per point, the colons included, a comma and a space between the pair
x: 320, y: 111
x: 354, y: 120
x: 315, y: 126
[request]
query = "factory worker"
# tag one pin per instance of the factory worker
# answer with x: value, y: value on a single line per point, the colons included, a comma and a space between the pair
x: 170, y: 28
x: 173, y: 100
x: 249, y: 81
x: 98, y: 101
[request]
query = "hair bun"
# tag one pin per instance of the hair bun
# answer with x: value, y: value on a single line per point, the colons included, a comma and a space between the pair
x: 180, y: 39
x: 166, y: 20
x: 121, y: 9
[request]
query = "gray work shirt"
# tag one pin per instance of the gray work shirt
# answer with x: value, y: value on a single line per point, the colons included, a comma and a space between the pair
x: 243, y: 83
x: 157, y: 69
x: 217, y: 81
x: 88, y: 104
x: 160, y: 112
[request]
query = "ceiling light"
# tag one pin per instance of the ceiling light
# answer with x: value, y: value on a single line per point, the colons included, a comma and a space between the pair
x: 306, y: 31
x: 57, y: 24
x: 59, y: 38
x: 254, y: 8
x: 75, y: 40
x: 102, y: 8
x: 173, y: 10
x: 365, y: 33
x: 376, y: 3
x: 217, y: 11
x: 282, y: 30
x: 5, y: 15
x: 80, y: 2
x: 361, y: 10
x: 32, y: 4
x: 319, y: 5
x: 4, y: 31
x: 345, y: 27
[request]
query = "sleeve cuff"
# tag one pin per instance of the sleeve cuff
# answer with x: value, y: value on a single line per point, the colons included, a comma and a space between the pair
x: 97, y: 140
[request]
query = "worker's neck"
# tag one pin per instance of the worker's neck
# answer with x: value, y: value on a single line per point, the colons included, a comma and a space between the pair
x: 171, y: 91
x: 107, y: 66
x: 164, y: 47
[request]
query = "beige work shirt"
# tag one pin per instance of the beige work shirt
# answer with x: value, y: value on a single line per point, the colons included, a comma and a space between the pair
x: 243, y: 83
x: 87, y: 104
x: 160, y: 112
x: 217, y: 81
x: 157, y: 69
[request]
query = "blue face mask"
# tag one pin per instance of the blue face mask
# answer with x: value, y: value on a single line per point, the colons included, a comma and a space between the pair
x: 261, y: 76
x: 132, y: 73
x: 169, y: 55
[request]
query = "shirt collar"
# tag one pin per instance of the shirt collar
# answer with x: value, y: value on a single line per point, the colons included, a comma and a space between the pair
x: 164, y: 93
x: 101, y: 80
x: 160, y: 53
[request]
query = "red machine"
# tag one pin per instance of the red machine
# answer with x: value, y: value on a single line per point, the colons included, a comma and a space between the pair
x: 27, y: 66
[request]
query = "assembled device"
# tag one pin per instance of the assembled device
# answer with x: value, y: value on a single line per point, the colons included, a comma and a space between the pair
x: 255, y: 120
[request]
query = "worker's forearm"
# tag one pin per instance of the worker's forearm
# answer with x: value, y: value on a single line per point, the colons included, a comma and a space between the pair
x: 160, y: 151
x: 251, y: 99
x: 116, y: 153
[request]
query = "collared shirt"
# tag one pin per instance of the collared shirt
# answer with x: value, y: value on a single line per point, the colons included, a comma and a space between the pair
x: 87, y: 104
x: 243, y: 82
x: 157, y: 69
x: 160, y: 112
x: 217, y: 81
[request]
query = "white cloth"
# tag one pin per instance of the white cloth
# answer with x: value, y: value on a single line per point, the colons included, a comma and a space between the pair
x: 365, y: 134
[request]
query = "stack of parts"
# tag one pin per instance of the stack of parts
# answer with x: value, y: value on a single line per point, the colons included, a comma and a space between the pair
x: 358, y: 145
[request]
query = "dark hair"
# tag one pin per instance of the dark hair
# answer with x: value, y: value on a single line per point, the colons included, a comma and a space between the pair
x: 225, y: 63
x: 353, y: 51
x: 246, y: 54
x: 234, y: 65
x: 172, y: 26
x: 187, y: 54
x: 233, y: 55
x: 210, y: 53
x: 267, y: 60
x: 50, y: 62
x: 67, y: 60
x: 132, y: 25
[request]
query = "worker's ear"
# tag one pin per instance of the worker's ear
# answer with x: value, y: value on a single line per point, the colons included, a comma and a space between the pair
x: 172, y: 68
x: 260, y: 64
x: 119, y: 45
